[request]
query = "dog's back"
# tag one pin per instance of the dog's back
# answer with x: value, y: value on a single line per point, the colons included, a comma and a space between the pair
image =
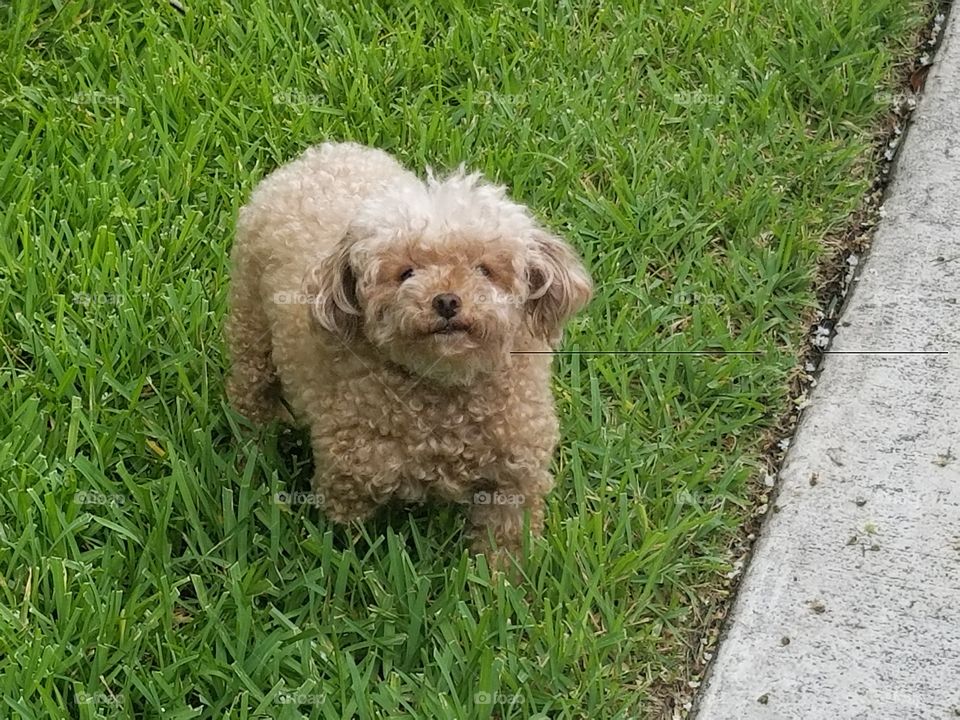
x: 303, y: 208
x: 296, y: 215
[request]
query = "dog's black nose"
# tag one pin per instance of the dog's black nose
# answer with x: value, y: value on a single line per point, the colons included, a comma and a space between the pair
x: 446, y: 305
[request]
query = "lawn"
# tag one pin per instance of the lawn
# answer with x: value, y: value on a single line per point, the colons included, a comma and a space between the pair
x: 697, y: 156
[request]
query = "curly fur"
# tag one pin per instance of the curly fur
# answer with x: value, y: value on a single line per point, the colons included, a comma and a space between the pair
x: 338, y: 261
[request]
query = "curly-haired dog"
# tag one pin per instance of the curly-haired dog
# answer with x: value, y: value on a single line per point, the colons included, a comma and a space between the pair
x: 392, y: 315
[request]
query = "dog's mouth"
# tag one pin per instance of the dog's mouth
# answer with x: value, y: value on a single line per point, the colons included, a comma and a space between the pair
x: 450, y: 327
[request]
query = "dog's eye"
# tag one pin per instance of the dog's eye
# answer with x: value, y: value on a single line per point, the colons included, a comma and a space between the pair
x: 484, y: 270
x: 406, y: 274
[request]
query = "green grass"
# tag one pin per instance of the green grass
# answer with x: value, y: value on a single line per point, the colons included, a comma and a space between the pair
x: 696, y: 155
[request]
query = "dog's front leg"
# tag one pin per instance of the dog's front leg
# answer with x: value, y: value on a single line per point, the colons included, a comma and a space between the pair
x: 498, y: 517
x: 354, y: 475
x: 344, y: 498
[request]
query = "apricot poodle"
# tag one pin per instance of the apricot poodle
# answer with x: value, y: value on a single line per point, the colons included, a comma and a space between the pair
x: 408, y: 323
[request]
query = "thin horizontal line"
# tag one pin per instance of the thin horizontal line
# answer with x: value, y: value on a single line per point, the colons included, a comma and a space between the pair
x: 637, y: 352
x: 720, y: 352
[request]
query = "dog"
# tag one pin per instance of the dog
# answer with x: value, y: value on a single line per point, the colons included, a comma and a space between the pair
x: 409, y: 323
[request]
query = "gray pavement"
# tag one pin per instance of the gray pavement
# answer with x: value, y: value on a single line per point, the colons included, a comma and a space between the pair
x: 850, y: 606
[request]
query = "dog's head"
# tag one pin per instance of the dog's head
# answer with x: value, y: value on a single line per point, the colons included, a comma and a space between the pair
x: 444, y: 277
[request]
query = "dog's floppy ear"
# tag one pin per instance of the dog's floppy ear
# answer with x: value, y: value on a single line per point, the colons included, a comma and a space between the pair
x: 559, y: 285
x: 331, y: 288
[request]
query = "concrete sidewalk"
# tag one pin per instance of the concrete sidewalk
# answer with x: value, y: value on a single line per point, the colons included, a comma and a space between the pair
x: 850, y: 607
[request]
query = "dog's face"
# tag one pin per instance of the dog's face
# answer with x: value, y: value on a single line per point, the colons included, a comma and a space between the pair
x: 445, y: 278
